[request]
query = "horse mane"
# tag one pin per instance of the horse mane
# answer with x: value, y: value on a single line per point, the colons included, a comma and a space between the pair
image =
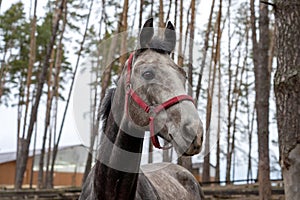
x: 106, y: 106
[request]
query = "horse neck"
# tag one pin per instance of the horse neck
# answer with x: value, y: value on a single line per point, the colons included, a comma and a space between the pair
x: 116, y: 171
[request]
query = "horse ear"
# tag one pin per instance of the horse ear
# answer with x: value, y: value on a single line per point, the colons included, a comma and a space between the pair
x: 146, y: 33
x: 170, y: 36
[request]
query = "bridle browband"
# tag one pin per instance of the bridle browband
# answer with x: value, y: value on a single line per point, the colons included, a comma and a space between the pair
x: 153, y: 111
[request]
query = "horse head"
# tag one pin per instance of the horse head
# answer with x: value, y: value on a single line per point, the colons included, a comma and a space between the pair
x: 155, y: 93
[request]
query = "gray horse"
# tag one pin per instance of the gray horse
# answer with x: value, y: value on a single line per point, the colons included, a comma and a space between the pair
x: 150, y: 96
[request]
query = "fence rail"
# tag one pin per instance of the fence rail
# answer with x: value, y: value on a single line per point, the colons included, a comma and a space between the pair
x: 244, y: 191
x: 212, y: 191
x: 41, y: 194
x: 238, y: 191
x: 245, y: 181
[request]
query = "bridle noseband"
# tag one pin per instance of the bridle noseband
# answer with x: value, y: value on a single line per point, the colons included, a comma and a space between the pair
x: 153, y: 111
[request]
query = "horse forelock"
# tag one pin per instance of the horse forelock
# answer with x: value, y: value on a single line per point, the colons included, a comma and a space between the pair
x: 106, y: 106
x: 158, y: 45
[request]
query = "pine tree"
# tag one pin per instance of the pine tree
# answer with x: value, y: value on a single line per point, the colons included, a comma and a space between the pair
x: 24, y: 150
x: 286, y: 83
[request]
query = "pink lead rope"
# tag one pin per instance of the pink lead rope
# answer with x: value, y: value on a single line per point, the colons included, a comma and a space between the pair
x: 142, y: 104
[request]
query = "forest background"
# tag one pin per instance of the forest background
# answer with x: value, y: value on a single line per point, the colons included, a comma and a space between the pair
x: 222, y: 73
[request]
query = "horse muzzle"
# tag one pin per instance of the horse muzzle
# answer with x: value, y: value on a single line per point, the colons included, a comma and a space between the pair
x: 188, y: 140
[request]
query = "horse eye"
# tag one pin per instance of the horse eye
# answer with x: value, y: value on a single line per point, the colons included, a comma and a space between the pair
x: 148, y: 75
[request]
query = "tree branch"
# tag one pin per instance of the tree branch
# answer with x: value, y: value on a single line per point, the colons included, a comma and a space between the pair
x: 268, y: 3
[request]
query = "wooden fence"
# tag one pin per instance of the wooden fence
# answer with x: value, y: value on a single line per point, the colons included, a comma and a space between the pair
x: 42, y: 194
x: 211, y: 192
x: 242, y: 192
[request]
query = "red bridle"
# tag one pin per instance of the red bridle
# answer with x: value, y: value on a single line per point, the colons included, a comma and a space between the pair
x: 147, y: 108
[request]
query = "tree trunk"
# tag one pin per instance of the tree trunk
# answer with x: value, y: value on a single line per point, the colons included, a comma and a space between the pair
x: 250, y: 132
x: 210, y: 94
x: 175, y: 14
x: 186, y: 34
x: 55, y: 148
x: 104, y: 81
x: 287, y: 92
x: 204, y: 51
x: 33, y: 158
x: 218, y: 150
x: 141, y: 13
x: 23, y: 157
x: 108, y: 63
x: 166, y: 156
x: 161, y: 14
x: 169, y: 10
x: 19, y: 117
x: 3, y: 70
x: 250, y: 122
x: 48, y: 160
x: 58, y: 61
x: 229, y: 105
x: 95, y: 112
x: 151, y: 8
x: 46, y: 125
x: 28, y: 82
x: 180, y: 53
x: 30, y: 65
x: 191, y: 47
x: 123, y: 28
x: 262, y: 93
x: 150, y: 151
x: 161, y: 25
x: 94, y: 118
x: 238, y: 90
x: 187, y: 161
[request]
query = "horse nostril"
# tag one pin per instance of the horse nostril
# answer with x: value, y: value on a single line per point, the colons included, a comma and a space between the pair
x: 188, y: 128
x: 192, y: 129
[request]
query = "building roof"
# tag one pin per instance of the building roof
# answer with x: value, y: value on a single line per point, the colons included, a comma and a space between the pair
x: 12, y: 156
x: 7, y: 157
x: 68, y: 159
